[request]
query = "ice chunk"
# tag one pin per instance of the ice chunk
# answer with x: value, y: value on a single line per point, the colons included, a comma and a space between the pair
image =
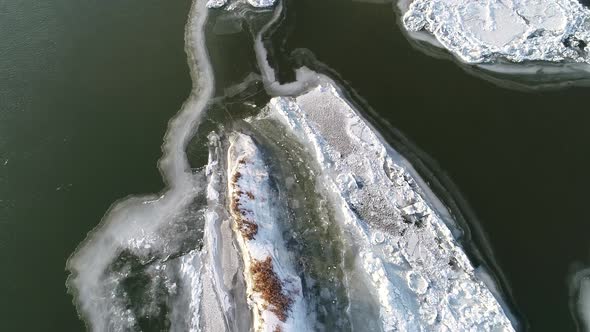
x: 261, y: 3
x: 253, y: 3
x: 513, y: 30
x: 216, y: 3
x: 139, y: 235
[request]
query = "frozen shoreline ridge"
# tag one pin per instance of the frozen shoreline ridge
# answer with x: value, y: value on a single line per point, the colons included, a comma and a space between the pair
x: 273, y: 288
x: 485, y: 31
x: 420, y: 278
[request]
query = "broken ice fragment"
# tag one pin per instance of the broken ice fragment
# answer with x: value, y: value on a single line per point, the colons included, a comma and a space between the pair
x: 253, y: 3
x: 516, y: 31
x: 261, y: 3
x: 215, y: 3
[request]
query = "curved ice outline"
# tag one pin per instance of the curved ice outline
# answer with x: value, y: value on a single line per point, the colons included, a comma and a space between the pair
x: 525, y: 74
x: 144, y: 214
x: 580, y: 298
x: 305, y: 77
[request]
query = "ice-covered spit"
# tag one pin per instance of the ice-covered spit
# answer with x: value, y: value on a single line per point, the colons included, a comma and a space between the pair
x: 419, y: 276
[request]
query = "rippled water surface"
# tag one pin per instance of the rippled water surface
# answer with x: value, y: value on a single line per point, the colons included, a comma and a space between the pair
x: 88, y: 88
x: 86, y: 91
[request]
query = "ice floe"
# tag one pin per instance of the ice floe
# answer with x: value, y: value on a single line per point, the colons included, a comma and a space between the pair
x: 515, y: 30
x: 420, y: 277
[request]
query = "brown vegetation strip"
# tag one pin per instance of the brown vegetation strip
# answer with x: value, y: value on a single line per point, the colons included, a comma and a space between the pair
x: 270, y: 287
x: 248, y: 228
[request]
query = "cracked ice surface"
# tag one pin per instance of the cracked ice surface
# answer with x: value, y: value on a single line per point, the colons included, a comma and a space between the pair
x: 482, y: 31
x: 420, y: 277
x: 253, y: 3
x: 261, y: 3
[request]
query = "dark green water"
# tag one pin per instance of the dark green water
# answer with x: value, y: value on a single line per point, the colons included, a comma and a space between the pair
x: 87, y: 88
x: 86, y: 91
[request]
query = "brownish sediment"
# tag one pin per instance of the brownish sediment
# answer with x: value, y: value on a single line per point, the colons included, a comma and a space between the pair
x: 236, y: 177
x: 247, y: 227
x: 270, y: 288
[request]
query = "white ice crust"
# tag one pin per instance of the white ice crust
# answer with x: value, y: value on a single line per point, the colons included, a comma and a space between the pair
x: 255, y: 197
x: 216, y: 3
x: 483, y: 31
x: 580, y: 298
x: 253, y: 3
x: 140, y: 225
x: 261, y: 3
x: 421, y: 278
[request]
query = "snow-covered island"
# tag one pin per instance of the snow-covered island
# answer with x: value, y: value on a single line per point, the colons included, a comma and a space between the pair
x: 304, y: 217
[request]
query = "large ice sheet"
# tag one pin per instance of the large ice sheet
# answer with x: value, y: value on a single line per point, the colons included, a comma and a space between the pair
x: 484, y: 31
x: 419, y: 276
